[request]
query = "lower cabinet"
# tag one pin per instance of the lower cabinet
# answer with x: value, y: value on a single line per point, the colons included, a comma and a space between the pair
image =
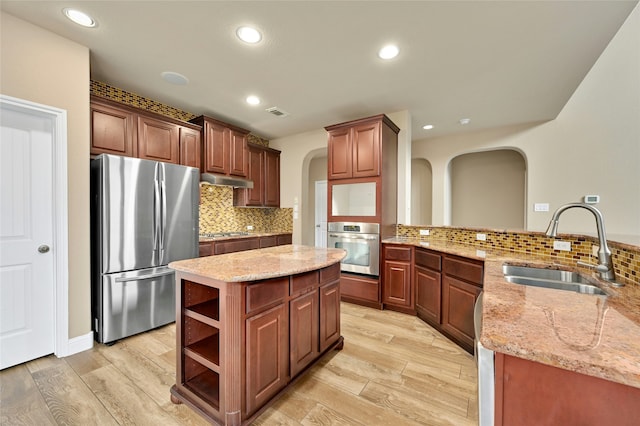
x: 330, y: 312
x: 267, y: 360
x: 528, y: 393
x: 428, y: 294
x: 305, y: 320
x: 209, y: 248
x: 441, y: 289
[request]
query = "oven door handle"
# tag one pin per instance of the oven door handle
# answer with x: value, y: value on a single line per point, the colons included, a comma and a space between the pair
x: 354, y: 237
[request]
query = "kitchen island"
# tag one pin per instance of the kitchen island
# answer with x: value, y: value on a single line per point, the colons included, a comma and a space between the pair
x: 249, y: 323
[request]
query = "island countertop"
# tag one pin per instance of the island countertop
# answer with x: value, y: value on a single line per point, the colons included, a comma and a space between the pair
x: 259, y: 264
x: 588, y: 334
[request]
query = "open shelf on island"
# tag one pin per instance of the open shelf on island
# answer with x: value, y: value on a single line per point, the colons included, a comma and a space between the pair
x: 206, y: 386
x: 206, y: 352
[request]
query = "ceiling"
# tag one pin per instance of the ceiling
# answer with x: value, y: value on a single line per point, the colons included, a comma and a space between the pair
x: 497, y: 63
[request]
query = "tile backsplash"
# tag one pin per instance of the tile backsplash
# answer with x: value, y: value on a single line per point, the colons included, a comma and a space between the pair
x: 218, y: 214
x: 626, y: 258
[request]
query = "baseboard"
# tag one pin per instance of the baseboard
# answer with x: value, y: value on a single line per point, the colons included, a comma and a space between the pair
x: 79, y: 344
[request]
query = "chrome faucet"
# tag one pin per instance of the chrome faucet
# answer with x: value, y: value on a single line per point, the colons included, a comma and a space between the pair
x: 605, y: 265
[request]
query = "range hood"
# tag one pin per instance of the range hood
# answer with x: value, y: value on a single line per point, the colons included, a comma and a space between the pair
x: 223, y: 180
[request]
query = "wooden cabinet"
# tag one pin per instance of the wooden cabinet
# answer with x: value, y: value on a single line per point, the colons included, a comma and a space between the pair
x: 264, y: 171
x: 314, y: 315
x: 528, y: 393
x: 427, y: 282
x: 440, y: 289
x: 122, y: 130
x: 397, y: 289
x: 158, y: 140
x: 355, y: 148
x: 224, y: 147
x: 189, y: 147
x: 461, y: 285
x: 232, y: 245
x: 241, y: 343
x: 113, y: 130
x: 267, y: 360
x: 360, y: 289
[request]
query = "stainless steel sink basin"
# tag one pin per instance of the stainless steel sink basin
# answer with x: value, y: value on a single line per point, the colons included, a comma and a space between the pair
x: 550, y: 278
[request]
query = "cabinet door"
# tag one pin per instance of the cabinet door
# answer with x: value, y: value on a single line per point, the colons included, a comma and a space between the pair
x: 329, y: 314
x: 428, y: 294
x: 458, y: 298
x: 189, y: 147
x: 238, y: 153
x: 340, y: 163
x: 396, y: 288
x: 267, y: 356
x: 366, y: 150
x: 112, y: 131
x: 216, y: 148
x: 303, y: 312
x: 158, y: 140
x: 255, y: 196
x: 272, y: 179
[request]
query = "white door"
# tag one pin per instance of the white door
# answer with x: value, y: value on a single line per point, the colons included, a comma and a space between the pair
x: 27, y: 323
x: 321, y: 213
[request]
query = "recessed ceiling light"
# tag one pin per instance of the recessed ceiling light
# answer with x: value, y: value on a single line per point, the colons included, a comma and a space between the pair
x: 174, y: 78
x: 79, y: 18
x: 248, y: 35
x: 389, y: 51
x: 465, y: 121
x: 428, y: 126
x: 253, y: 100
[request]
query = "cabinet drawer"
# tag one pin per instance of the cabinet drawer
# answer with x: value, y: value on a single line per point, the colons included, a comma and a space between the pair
x: 397, y: 253
x: 465, y: 269
x: 205, y: 249
x: 330, y: 273
x: 359, y: 288
x: 428, y: 259
x: 243, y: 244
x: 304, y: 283
x: 270, y: 241
x: 266, y: 293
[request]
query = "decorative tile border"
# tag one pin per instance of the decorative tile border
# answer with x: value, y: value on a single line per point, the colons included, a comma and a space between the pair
x: 626, y: 259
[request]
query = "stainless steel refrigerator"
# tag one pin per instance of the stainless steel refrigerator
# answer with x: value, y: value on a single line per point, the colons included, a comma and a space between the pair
x: 144, y: 214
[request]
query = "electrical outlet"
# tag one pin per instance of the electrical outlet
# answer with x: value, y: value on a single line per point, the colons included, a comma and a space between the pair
x: 481, y: 237
x: 424, y: 232
x: 562, y: 245
x: 541, y: 207
x: 594, y: 250
x: 249, y: 227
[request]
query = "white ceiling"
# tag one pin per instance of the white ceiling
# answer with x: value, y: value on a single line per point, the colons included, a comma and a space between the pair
x: 498, y: 63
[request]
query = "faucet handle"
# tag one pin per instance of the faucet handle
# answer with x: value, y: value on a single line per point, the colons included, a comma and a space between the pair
x: 599, y: 268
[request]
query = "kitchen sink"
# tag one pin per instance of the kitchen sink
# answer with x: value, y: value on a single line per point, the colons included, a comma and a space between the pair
x: 550, y: 278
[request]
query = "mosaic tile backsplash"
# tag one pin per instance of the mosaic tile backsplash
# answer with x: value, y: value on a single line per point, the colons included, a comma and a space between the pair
x: 106, y: 91
x: 217, y: 214
x: 626, y: 258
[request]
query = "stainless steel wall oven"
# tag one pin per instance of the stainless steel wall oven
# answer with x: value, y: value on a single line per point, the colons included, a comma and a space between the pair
x: 362, y: 243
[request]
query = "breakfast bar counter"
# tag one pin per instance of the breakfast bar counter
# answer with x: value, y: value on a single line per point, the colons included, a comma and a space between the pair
x: 249, y: 323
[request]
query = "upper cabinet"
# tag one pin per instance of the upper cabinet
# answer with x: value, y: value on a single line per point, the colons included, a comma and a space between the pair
x: 264, y: 170
x: 224, y: 147
x: 356, y: 147
x: 122, y: 130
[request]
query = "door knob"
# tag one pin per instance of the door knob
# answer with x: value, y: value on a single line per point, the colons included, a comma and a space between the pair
x: 43, y: 248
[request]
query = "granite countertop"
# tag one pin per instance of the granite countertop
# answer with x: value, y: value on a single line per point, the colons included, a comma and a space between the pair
x: 259, y: 264
x: 593, y: 335
x: 235, y: 237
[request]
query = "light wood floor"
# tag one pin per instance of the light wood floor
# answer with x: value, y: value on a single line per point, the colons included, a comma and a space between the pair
x: 393, y: 370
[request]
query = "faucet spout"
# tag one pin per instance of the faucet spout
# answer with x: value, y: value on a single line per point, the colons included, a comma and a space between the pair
x: 605, y: 265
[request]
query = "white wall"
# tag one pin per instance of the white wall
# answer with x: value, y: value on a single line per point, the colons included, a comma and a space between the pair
x: 592, y: 147
x: 42, y: 67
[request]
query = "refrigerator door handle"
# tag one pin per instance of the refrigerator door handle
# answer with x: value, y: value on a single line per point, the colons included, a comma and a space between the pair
x: 163, y: 214
x: 144, y: 277
x: 156, y: 211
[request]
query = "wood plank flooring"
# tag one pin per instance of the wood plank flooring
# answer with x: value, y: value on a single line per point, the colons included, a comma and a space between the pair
x: 394, y: 370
